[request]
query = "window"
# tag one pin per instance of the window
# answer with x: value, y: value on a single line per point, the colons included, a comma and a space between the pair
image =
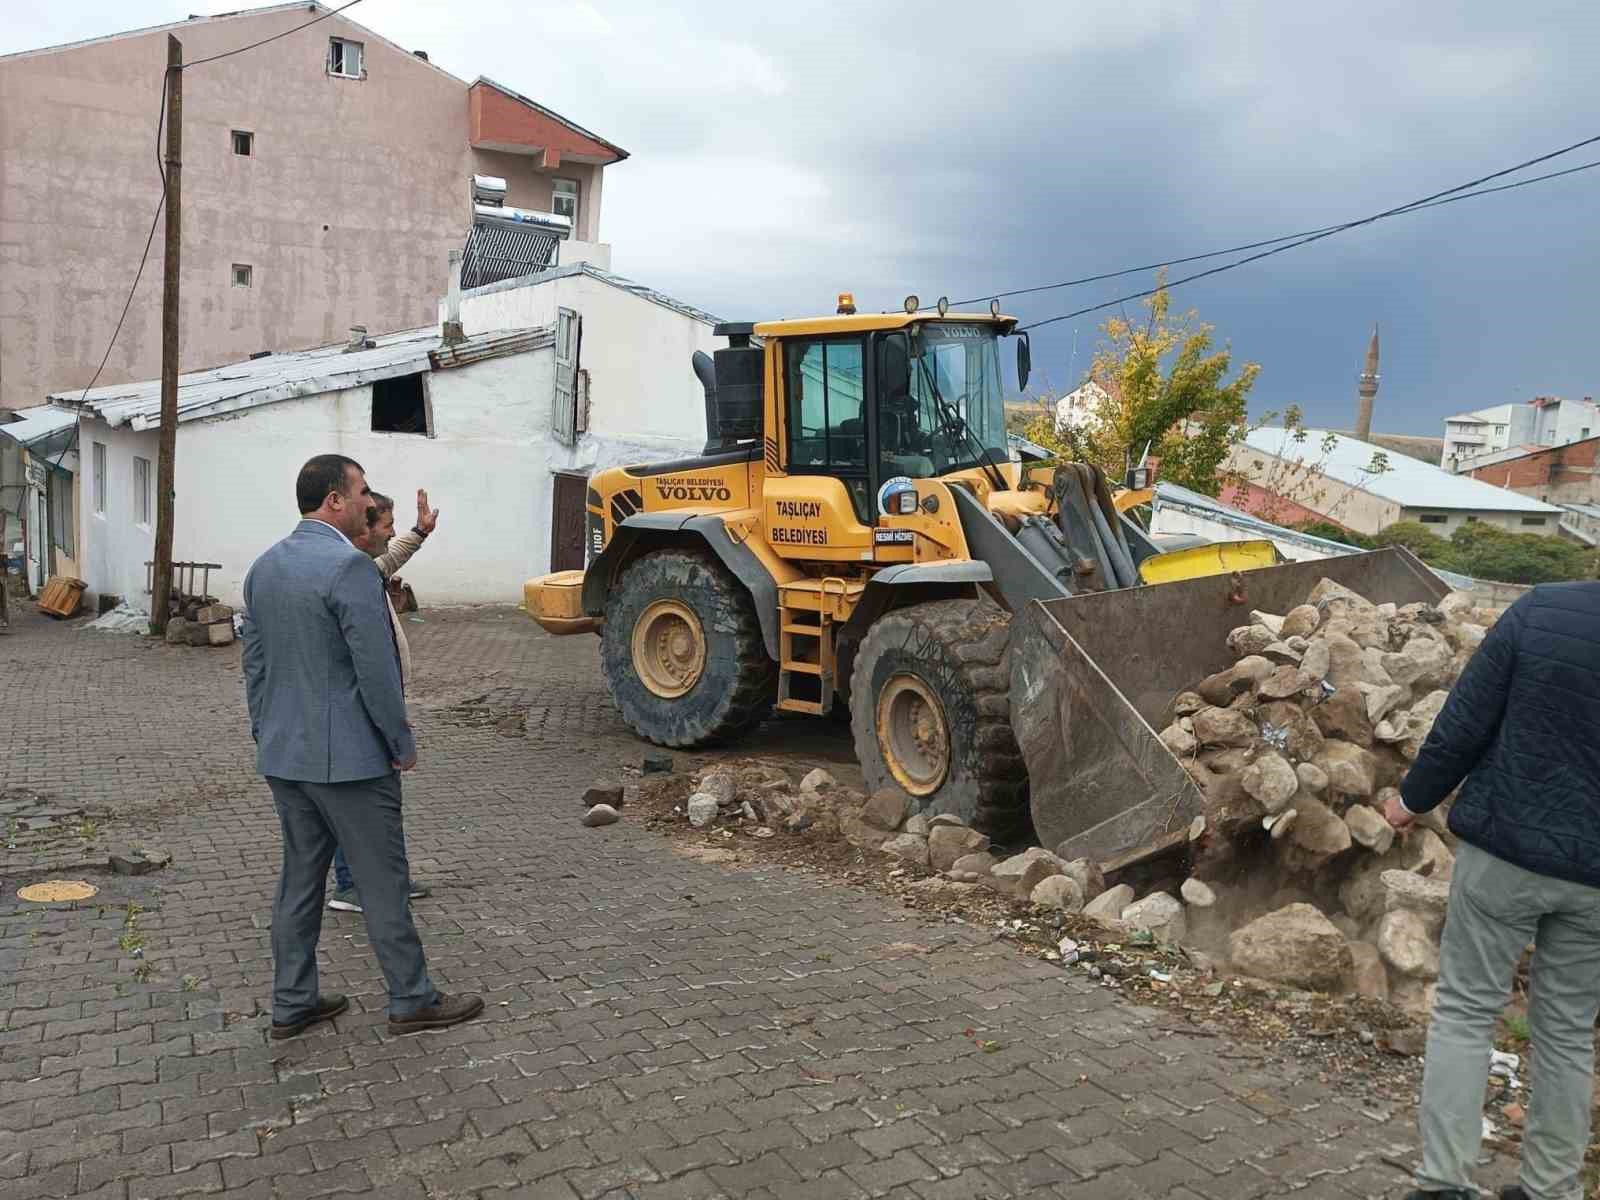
x: 61, y: 511
x: 141, y: 491
x: 100, y: 478
x: 564, y: 202
x: 1533, y: 520
x: 1584, y: 432
x: 1433, y: 519
x: 243, y: 275
x: 941, y: 402
x: 244, y: 143
x: 344, y: 58
x: 826, y: 406
x: 400, y: 406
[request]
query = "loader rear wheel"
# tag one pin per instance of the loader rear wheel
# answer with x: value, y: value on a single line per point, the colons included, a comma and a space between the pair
x: 682, y: 651
x: 930, y: 710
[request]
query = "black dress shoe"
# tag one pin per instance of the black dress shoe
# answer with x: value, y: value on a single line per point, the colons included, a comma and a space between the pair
x: 328, y: 1007
x: 1451, y: 1194
x: 1513, y: 1191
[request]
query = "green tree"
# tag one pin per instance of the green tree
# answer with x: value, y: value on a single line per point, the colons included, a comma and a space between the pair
x: 1168, y: 388
x: 1421, y: 541
x: 1333, y: 532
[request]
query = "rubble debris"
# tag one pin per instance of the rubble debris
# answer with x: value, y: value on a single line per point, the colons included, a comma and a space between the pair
x: 972, y: 868
x: 886, y: 809
x: 601, y: 814
x: 1196, y: 894
x: 1087, y: 874
x: 1159, y: 915
x: 818, y: 780
x: 702, y: 809
x: 1108, y: 905
x: 1058, y: 891
x: 1021, y: 873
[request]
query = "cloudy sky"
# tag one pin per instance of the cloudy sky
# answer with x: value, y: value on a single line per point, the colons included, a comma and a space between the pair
x: 781, y: 156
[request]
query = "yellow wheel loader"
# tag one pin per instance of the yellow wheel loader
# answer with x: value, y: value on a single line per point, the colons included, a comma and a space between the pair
x: 858, y: 536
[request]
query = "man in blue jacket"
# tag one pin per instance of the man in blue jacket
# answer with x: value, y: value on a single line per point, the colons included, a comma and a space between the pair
x: 322, y: 676
x: 1518, y: 735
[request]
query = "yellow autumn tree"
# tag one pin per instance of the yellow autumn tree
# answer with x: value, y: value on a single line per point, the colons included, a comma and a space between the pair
x: 1166, y: 387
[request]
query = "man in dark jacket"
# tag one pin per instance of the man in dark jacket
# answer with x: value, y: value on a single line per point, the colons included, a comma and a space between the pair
x: 1518, y: 735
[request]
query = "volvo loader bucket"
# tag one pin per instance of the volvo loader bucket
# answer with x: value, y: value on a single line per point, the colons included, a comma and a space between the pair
x: 1093, y: 678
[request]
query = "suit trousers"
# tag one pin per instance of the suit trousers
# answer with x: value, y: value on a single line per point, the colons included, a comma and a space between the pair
x: 1496, y: 909
x: 364, y: 818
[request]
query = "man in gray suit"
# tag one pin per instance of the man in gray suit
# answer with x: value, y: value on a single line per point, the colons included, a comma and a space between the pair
x: 322, y: 675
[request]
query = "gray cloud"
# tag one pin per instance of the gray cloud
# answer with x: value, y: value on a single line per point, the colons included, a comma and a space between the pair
x: 780, y: 157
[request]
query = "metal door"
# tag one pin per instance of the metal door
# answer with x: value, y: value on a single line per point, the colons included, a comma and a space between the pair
x: 567, y: 523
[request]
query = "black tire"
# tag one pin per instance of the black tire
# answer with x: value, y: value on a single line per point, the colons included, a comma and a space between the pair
x: 738, y: 683
x: 960, y: 649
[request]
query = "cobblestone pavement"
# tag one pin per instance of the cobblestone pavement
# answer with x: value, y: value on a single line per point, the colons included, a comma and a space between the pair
x: 655, y: 1027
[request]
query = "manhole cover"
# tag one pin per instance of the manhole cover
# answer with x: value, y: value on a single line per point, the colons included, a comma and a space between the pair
x: 56, y: 890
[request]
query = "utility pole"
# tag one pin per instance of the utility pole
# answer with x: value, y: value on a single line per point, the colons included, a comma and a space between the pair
x: 161, y: 576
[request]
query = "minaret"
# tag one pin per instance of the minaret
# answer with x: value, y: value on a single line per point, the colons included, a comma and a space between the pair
x: 1367, y: 389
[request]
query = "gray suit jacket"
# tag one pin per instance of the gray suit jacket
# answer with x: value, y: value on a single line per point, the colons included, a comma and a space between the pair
x: 321, y: 671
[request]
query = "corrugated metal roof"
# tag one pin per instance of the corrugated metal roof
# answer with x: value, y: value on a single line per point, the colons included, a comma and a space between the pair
x: 275, y: 377
x: 1407, y: 481
x: 38, y: 424
x: 594, y: 272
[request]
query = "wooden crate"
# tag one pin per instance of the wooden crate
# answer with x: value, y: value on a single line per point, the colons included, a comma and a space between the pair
x: 62, y: 596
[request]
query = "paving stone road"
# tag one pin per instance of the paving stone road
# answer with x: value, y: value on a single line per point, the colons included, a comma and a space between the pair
x: 655, y: 1027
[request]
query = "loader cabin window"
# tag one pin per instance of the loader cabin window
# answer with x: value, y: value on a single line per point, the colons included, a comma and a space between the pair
x: 828, y: 414
x: 941, y: 402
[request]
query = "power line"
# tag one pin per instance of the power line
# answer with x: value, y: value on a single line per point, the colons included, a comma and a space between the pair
x: 1445, y: 196
x: 230, y: 53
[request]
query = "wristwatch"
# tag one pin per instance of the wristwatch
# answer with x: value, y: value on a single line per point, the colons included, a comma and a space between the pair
x: 419, y: 531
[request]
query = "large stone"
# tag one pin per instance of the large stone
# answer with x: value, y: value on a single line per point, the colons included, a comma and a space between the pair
x: 1271, y: 780
x: 1058, y: 891
x: 1179, y: 737
x: 1415, y: 996
x: 1457, y: 602
x: 1362, y: 891
x: 1197, y: 894
x: 1381, y: 700
x: 1301, y: 621
x: 1312, y: 777
x: 1224, y: 687
x: 703, y: 809
x: 1187, y: 704
x: 1419, y: 723
x: 1343, y: 715
x: 1351, y: 770
x: 1286, y: 726
x: 1420, y: 661
x: 1108, y: 905
x: 178, y: 632
x: 1161, y: 915
x: 1271, y: 622
x: 601, y: 814
x: 1349, y: 664
x: 1406, y: 945
x: 142, y: 861
x: 1336, y: 599
x: 220, y: 633
x: 1319, y: 834
x: 1090, y: 879
x: 917, y: 823
x: 1224, y: 727
x: 1368, y: 828
x: 817, y: 781
x: 1316, y: 660
x: 1285, y: 682
x: 720, y: 785
x: 1463, y: 635
x: 1406, y: 891
x: 973, y: 866
x: 1428, y: 855
x: 1021, y: 873
x: 1297, y: 946
x: 886, y: 809
x: 947, y: 843
x: 907, y: 846
x: 1283, y: 654
x: 1368, y: 977
x: 1249, y: 639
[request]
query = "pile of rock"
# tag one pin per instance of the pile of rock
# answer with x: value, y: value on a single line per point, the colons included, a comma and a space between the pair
x: 763, y: 797
x: 1297, y: 748
x: 202, y: 625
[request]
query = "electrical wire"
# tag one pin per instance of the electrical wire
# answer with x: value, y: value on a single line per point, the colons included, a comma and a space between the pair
x: 1424, y: 202
x: 230, y: 53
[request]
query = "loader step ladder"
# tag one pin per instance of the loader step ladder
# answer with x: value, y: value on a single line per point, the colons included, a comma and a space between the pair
x: 807, y: 613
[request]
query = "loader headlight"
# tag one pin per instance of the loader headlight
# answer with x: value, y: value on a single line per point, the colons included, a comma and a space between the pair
x: 944, y: 305
x: 908, y: 503
x: 913, y: 302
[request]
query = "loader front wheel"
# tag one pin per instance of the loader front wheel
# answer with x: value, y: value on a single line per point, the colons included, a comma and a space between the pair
x: 930, y: 711
x: 682, y: 651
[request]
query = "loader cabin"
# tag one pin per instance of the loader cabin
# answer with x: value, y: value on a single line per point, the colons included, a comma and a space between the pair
x: 868, y: 398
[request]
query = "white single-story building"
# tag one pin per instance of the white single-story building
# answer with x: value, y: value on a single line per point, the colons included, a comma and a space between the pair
x: 1363, y: 487
x: 557, y: 375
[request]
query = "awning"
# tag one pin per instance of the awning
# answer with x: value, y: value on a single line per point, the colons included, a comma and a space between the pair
x: 42, y: 431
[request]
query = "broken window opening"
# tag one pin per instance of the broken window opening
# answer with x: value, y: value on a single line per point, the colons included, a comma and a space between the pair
x: 400, y: 405
x: 244, y: 143
x: 344, y: 58
x: 243, y: 276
